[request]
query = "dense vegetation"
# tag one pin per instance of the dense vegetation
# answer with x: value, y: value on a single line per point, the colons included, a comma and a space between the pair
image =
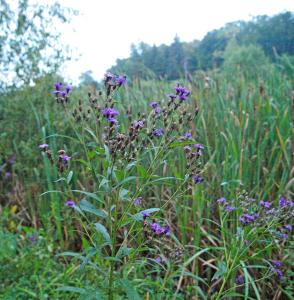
x: 151, y: 189
x: 271, y: 35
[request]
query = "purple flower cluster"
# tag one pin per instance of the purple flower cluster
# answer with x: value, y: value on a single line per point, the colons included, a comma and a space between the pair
x: 159, y: 230
x: 62, y: 91
x: 158, y: 132
x: 182, y: 92
x: 110, y: 114
x: 265, y: 204
x: 197, y: 179
x: 275, y: 268
x: 156, y: 107
x: 114, y: 80
x: 247, y: 218
x: 283, y: 202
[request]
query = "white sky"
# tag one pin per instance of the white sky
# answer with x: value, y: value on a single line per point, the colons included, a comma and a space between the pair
x: 105, y: 29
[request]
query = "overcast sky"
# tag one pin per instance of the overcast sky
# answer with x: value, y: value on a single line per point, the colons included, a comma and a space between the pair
x: 105, y: 29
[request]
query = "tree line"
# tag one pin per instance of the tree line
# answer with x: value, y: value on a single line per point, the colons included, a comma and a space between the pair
x: 272, y: 36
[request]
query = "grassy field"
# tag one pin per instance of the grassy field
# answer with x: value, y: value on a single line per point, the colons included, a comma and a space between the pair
x: 141, y: 225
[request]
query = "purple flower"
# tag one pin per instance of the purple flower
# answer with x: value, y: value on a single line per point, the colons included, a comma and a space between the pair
x: 139, y: 124
x: 158, y: 259
x: 121, y: 80
x: 283, y: 235
x: 153, y: 104
x: 138, y: 201
x: 58, y: 86
x: 70, y: 203
x: 187, y: 148
x: 158, y: 132
x: 182, y: 91
x: 65, y: 158
x: 278, y: 272
x: 197, y: 179
x: 166, y: 230
x: 145, y: 214
x: 68, y: 89
x: 109, y: 112
x: 112, y: 121
x: 229, y: 208
x: 108, y: 77
x: 282, y: 202
x: 246, y: 218
x: 288, y: 227
x: 198, y: 146
x: 43, y: 146
x: 276, y: 263
x: 221, y: 200
x: 156, y: 228
x: 157, y: 110
x: 7, y: 175
x: 188, y: 135
x: 265, y: 204
x: 240, y: 279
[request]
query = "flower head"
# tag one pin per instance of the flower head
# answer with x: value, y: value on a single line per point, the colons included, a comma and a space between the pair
x: 109, y: 112
x: 138, y: 201
x: 276, y: 263
x: 265, y: 204
x: 158, y: 259
x: 197, y: 179
x: 230, y: 208
x: 121, y: 80
x: 43, y: 146
x: 240, y: 279
x: 139, y: 124
x: 70, y: 203
x: 112, y: 121
x: 288, y: 227
x: 153, y: 104
x: 221, y: 200
x: 282, y: 202
x: 158, y: 132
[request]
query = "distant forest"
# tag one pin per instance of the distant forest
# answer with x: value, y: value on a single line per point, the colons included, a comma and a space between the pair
x: 273, y: 36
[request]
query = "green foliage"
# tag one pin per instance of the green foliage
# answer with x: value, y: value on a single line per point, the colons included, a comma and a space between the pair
x: 272, y: 35
x: 243, y: 124
x: 248, y: 60
x: 29, y: 38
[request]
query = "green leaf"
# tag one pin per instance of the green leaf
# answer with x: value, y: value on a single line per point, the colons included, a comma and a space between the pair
x: 71, y: 289
x: 86, y: 206
x: 139, y: 216
x: 126, y: 180
x: 90, y: 195
x: 102, y: 229
x: 129, y: 289
x: 69, y: 177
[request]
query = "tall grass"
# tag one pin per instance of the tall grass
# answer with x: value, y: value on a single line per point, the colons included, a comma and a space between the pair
x: 246, y: 128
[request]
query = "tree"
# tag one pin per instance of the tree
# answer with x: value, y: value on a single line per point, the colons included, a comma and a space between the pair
x: 250, y: 60
x: 29, y: 40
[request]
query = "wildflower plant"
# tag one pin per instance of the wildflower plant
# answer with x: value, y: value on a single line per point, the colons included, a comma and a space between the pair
x: 124, y: 157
